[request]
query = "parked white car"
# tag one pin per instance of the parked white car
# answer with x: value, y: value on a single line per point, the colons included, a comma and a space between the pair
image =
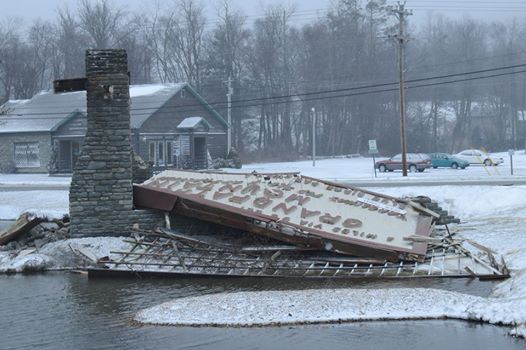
x: 475, y: 156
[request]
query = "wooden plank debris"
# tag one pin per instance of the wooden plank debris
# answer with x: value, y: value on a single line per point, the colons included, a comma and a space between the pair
x: 23, y: 225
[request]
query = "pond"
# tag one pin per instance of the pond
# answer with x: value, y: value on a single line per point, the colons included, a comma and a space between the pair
x: 68, y: 311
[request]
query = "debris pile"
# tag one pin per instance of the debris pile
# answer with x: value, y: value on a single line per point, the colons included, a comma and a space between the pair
x: 311, y: 229
x: 31, y: 231
x: 274, y: 225
x: 444, y: 219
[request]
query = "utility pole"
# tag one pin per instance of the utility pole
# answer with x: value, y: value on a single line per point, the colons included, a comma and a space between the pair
x: 313, y: 136
x: 229, y: 93
x: 401, y: 13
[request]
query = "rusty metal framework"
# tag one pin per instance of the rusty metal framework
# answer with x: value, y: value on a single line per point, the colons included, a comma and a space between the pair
x: 165, y: 252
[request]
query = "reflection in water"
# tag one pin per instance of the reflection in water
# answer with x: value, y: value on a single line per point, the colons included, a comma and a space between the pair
x: 65, y: 311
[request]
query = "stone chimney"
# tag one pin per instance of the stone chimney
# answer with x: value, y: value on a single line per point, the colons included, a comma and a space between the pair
x: 101, y: 194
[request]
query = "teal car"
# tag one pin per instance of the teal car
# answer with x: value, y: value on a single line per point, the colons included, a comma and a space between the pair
x: 445, y: 160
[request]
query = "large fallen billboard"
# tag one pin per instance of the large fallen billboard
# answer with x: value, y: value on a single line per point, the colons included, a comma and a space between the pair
x: 296, y: 209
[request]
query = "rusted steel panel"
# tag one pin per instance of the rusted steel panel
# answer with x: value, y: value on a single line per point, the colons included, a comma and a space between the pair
x: 163, y: 199
x: 295, y: 209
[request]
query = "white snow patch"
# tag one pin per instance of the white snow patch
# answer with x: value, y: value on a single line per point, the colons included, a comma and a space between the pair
x: 21, y: 262
x: 189, y: 122
x: 59, y: 255
x: 310, y: 306
x: 470, y: 202
x: 519, y: 331
x: 34, y: 179
x: 148, y: 89
x: 49, y: 204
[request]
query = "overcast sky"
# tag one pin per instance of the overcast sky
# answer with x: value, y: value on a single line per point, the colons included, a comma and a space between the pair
x: 306, y: 9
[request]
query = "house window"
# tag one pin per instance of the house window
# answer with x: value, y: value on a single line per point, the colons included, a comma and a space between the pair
x: 183, y: 93
x: 27, y: 155
x: 151, y: 151
x: 169, y: 153
x: 160, y: 153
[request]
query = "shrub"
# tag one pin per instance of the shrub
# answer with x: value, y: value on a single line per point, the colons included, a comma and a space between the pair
x: 7, y: 167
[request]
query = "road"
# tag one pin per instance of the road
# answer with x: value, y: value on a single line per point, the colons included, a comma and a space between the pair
x: 436, y: 182
x: 503, y: 181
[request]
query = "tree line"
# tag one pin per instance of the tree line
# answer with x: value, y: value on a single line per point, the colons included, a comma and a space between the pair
x: 287, y: 68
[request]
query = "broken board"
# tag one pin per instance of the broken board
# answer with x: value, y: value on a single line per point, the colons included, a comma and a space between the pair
x: 23, y: 225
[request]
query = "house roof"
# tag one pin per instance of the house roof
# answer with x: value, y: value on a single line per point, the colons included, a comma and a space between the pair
x: 48, y: 110
x: 10, y: 104
x: 192, y: 123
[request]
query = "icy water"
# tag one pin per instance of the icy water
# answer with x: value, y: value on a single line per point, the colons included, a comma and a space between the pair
x: 68, y: 311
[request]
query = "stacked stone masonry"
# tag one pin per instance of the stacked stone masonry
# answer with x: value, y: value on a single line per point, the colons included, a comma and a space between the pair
x: 101, y: 196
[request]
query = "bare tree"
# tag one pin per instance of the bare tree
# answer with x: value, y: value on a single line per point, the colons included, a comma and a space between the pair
x: 226, y: 59
x: 273, y: 66
x: 468, y: 44
x: 177, y: 39
x: 18, y: 74
x: 9, y: 53
x: 134, y: 38
x: 101, y: 22
x: 42, y: 43
x: 70, y: 45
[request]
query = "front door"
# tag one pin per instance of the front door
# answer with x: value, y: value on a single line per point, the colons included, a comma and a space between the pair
x: 200, y: 153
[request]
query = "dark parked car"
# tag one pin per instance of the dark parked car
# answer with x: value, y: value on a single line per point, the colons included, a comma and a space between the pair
x: 447, y: 161
x: 415, y: 162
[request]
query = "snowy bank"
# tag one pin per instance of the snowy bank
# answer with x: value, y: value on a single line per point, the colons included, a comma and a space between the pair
x: 309, y: 306
x: 245, y: 309
x: 60, y: 255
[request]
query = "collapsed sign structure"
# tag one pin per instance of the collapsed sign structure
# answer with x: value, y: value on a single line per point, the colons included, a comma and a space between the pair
x: 296, y: 209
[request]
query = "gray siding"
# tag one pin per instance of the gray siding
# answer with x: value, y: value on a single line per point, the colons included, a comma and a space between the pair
x: 217, y: 145
x: 75, y: 127
x: 166, y: 119
x: 163, y: 125
x: 7, y: 149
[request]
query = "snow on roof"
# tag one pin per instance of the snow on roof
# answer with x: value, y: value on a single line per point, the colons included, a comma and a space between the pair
x: 40, y: 123
x: 147, y: 99
x: 189, y: 123
x: 12, y: 103
x: 151, y: 89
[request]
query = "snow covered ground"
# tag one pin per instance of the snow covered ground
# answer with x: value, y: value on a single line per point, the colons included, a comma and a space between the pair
x: 361, y: 168
x: 492, y: 215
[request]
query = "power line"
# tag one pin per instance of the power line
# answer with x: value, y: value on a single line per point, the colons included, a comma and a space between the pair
x: 315, y: 98
x: 323, y: 92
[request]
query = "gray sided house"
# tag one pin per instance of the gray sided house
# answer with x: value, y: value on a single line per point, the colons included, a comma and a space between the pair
x: 172, y: 126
